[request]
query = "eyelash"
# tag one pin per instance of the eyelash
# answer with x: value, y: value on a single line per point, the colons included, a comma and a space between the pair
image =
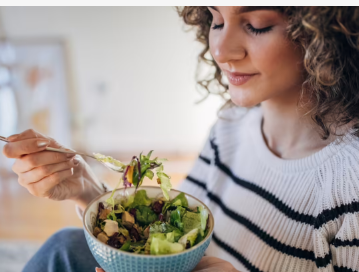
x: 255, y: 31
x: 217, y: 26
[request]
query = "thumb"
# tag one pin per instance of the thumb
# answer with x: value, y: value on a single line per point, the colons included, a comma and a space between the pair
x: 99, y: 270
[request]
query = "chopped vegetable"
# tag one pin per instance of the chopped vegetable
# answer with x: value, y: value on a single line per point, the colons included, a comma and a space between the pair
x: 128, y: 220
x: 108, y: 159
x: 145, y: 215
x: 189, y: 237
x: 204, y: 217
x: 180, y: 200
x: 126, y: 246
x: 159, y: 246
x: 176, y: 217
x: 191, y: 221
x: 141, y: 199
x: 111, y: 227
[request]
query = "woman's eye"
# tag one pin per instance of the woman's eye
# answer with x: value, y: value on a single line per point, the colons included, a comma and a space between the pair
x: 257, y: 31
x: 217, y: 26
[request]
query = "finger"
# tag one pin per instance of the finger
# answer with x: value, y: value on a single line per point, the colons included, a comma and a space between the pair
x: 42, y: 172
x: 99, y: 270
x: 27, y: 134
x: 206, y: 262
x: 20, y: 148
x: 31, y: 161
x: 43, y: 187
x: 32, y: 134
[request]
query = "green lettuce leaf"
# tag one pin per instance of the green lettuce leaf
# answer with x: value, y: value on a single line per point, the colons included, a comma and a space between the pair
x: 191, y: 221
x: 109, y: 159
x: 191, y: 236
x: 159, y: 227
x: 201, y: 236
x: 146, y: 165
x: 176, y: 217
x: 141, y: 199
x: 124, y: 232
x: 158, y: 235
x: 170, y: 236
x: 126, y: 246
x: 137, y: 247
x: 165, y: 184
x: 145, y: 216
x: 180, y: 200
x: 120, y: 209
x: 128, y: 201
x: 159, y: 246
x: 149, y: 174
x: 204, y: 217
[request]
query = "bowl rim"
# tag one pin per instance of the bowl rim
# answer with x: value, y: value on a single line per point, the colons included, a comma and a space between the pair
x: 143, y: 255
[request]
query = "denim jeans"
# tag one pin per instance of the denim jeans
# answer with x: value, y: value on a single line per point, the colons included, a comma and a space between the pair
x: 65, y: 251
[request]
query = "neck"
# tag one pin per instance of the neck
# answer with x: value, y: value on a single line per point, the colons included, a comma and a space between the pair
x: 288, y: 133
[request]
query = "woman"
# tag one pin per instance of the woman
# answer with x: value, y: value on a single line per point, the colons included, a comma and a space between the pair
x: 282, y: 179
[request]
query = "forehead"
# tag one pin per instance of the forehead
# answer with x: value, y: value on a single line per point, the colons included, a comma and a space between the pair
x: 243, y: 9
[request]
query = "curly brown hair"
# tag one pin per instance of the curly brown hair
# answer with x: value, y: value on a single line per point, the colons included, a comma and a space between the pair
x: 329, y: 37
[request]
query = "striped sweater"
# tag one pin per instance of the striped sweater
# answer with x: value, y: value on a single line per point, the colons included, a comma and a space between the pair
x: 273, y: 214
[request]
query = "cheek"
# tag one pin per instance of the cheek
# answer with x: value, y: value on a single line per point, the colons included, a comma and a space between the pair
x: 280, y: 68
x: 280, y: 62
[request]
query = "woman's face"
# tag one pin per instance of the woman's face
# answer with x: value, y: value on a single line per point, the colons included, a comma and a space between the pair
x: 251, y: 47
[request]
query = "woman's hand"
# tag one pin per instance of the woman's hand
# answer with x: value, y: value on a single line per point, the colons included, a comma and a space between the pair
x: 213, y: 264
x: 48, y: 174
x: 207, y: 264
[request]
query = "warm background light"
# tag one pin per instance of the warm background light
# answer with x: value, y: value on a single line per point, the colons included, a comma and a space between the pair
x: 116, y: 80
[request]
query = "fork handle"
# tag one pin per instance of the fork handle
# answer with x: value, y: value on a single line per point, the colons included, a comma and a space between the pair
x: 68, y: 152
x: 3, y: 139
x: 56, y: 149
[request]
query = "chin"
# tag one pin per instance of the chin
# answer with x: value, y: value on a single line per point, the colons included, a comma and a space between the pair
x: 243, y: 97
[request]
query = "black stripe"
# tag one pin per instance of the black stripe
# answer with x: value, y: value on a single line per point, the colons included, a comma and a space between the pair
x: 331, y: 214
x: 265, y: 237
x: 343, y: 269
x: 324, y: 261
x: 324, y: 217
x: 288, y: 211
x: 206, y: 160
x: 197, y: 182
x: 235, y: 254
x: 337, y: 242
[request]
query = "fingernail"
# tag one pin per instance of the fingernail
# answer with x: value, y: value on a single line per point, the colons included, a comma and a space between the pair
x: 76, y: 161
x: 42, y: 143
x: 69, y: 155
x: 12, y: 137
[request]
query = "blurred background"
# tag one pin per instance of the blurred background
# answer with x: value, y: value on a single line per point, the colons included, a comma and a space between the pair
x: 113, y: 80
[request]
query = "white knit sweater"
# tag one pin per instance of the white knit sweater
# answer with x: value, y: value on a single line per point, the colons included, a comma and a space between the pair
x: 273, y: 214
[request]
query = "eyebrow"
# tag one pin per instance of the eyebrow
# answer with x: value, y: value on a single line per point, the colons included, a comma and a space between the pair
x: 240, y: 10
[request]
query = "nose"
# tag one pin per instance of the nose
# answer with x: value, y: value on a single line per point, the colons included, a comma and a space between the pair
x: 226, y: 46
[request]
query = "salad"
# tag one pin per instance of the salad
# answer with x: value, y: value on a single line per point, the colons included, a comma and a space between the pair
x: 139, y: 224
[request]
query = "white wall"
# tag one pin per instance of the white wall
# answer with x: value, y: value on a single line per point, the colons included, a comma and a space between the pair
x: 144, y: 62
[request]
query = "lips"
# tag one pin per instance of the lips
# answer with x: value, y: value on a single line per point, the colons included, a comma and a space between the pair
x: 236, y: 78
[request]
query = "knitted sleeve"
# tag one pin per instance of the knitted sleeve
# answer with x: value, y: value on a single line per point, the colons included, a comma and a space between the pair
x: 344, y: 248
x: 336, y: 235
x: 340, y: 251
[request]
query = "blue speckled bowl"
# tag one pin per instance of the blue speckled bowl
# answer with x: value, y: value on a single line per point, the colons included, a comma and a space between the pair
x: 114, y: 260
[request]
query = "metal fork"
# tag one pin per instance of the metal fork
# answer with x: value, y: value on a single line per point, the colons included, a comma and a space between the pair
x: 107, y: 164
